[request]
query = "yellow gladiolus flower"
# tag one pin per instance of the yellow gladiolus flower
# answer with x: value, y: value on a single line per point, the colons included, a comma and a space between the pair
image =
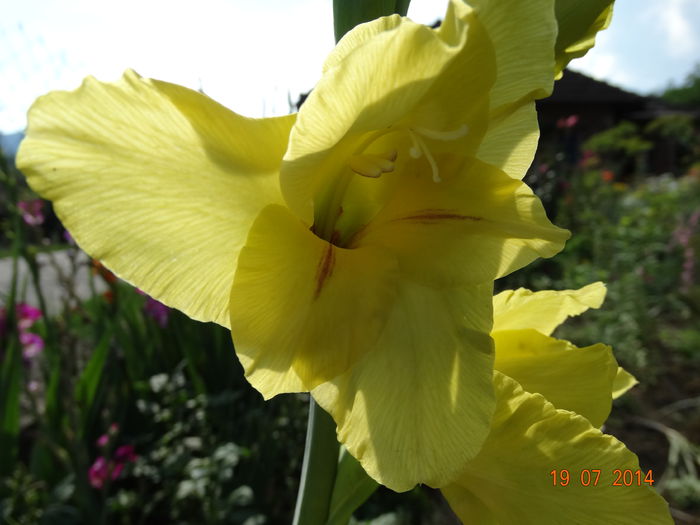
x: 544, y: 461
x: 351, y: 248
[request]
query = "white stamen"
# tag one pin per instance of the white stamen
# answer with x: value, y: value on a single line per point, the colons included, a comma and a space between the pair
x: 419, y: 148
x: 415, y: 151
x: 433, y: 166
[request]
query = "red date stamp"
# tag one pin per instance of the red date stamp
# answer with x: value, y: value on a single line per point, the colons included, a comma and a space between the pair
x: 592, y: 477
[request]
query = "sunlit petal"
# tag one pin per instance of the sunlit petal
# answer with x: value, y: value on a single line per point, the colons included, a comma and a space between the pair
x: 571, y: 378
x: 623, y: 382
x: 543, y: 311
x: 523, y: 36
x: 510, y: 481
x: 157, y: 181
x: 419, y: 405
x: 579, y: 22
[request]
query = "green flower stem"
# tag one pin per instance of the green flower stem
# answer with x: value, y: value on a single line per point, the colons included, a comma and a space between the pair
x: 348, y: 13
x: 319, y: 468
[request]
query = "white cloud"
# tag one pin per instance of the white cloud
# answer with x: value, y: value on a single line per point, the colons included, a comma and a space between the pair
x: 602, y: 63
x: 680, y: 39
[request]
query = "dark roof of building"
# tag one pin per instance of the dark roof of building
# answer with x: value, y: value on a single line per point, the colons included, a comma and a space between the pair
x: 577, y: 87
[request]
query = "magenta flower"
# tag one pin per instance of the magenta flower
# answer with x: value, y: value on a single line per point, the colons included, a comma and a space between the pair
x: 103, y: 469
x: 125, y: 454
x: 157, y: 310
x: 32, y: 345
x: 32, y: 211
x: 25, y: 311
x: 116, y: 469
x: 26, y: 316
x: 98, y: 472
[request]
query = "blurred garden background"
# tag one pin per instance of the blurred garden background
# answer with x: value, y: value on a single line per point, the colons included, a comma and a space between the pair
x: 115, y: 409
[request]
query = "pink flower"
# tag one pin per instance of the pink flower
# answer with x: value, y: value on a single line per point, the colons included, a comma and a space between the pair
x: 567, y: 122
x: 98, y: 472
x: 103, y: 469
x: 32, y: 211
x: 125, y: 454
x: 32, y: 344
x: 103, y: 440
x: 25, y: 311
x: 26, y: 316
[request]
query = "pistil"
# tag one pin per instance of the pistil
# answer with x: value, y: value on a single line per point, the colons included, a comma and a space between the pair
x: 420, y: 148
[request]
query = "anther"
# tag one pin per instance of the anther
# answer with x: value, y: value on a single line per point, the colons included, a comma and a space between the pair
x: 373, y: 166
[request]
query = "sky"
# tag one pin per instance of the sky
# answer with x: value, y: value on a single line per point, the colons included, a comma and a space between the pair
x: 255, y: 55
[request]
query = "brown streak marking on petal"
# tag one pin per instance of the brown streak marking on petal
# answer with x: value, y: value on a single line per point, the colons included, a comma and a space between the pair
x: 426, y: 217
x: 325, y: 269
x: 439, y: 216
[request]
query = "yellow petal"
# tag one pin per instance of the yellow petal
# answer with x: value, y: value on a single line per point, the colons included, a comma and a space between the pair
x: 571, y: 378
x: 357, y: 37
x: 474, y: 226
x: 523, y: 36
x: 543, y: 311
x: 623, y: 382
x: 419, y: 404
x: 579, y: 21
x: 389, y: 77
x: 158, y: 182
x: 510, y: 481
x: 302, y: 310
x: 511, y: 141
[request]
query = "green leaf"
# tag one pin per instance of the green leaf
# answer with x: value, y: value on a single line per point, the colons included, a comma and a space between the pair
x: 352, y: 488
x: 10, y: 389
x: 89, y: 381
x: 579, y: 21
x: 349, y: 13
